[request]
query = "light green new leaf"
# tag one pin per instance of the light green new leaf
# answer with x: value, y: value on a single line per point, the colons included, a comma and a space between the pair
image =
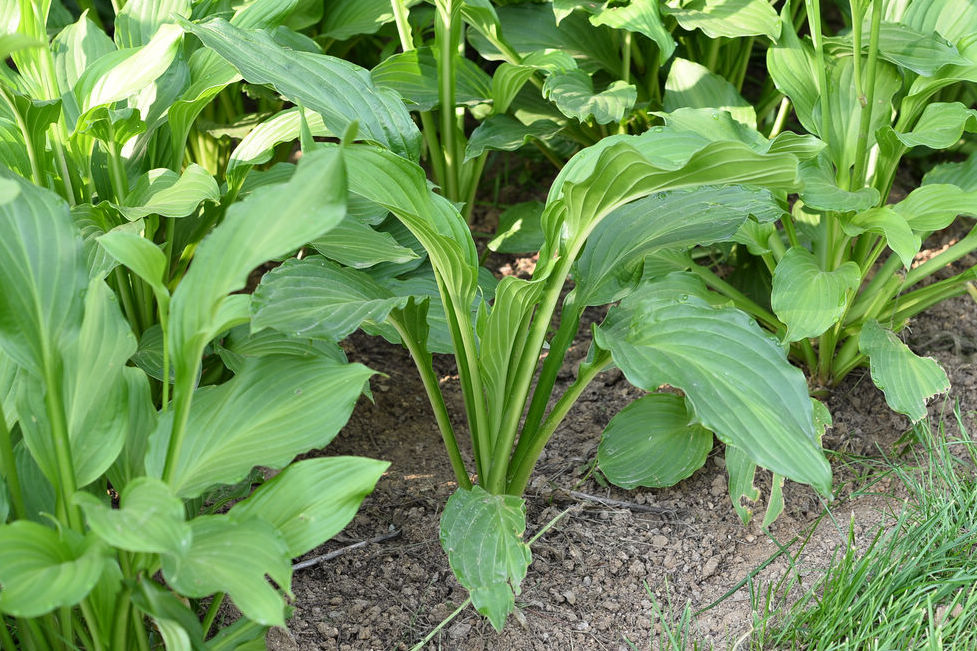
x: 692, y: 85
x: 483, y: 537
x: 318, y: 298
x: 952, y: 19
x: 907, y: 380
x: 612, y: 260
x: 507, y: 81
x: 742, y: 472
x: 150, y: 519
x: 75, y: 49
x: 573, y: 93
x: 311, y: 501
x: 414, y: 75
x: 41, y: 571
x: 808, y: 299
x: 899, y: 235
x: 340, y: 91
x: 729, y: 18
x: 141, y: 256
x: 207, y: 567
x: 735, y: 377
x: 41, y: 287
x: 139, y: 20
x: 821, y: 191
x: 643, y: 17
x: 275, y: 408
x: 651, y: 443
x: 939, y: 127
x: 118, y: 75
x: 168, y: 194
x: 258, y: 146
x: 506, y: 133
x: 272, y: 221
x: 354, y: 244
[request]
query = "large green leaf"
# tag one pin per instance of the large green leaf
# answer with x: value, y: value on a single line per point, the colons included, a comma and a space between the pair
x: 139, y: 20
x: 207, y: 567
x: 168, y: 194
x: 149, y: 519
x: 483, y: 536
x: 317, y: 298
x: 952, y: 19
x: 692, y: 85
x: 923, y: 53
x: 343, y: 19
x: 275, y: 408
x: 736, y: 378
x: 414, y: 75
x: 791, y: 65
x: 311, y: 501
x: 729, y: 18
x: 340, y: 91
x: 652, y: 443
x: 808, y: 299
x: 272, y: 221
x: 42, y: 274
x: 355, y: 244
x: 506, y: 133
x: 573, y: 93
x: 258, y: 146
x: 907, y: 380
x: 41, y: 570
x: 643, y: 17
x: 821, y: 191
x: 611, y: 262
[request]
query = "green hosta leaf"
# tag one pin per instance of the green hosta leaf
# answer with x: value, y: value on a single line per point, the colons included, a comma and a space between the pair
x: 162, y: 604
x: 41, y: 570
x: 150, y: 519
x: 923, y: 88
x: 507, y: 81
x: 742, y: 472
x: 695, y: 86
x: 274, y: 409
x: 963, y: 174
x: 149, y: 354
x: 41, y: 287
x: 317, y: 298
x: 651, y: 443
x: 791, y: 65
x: 483, y: 536
x: 121, y: 74
x: 110, y: 125
x: 643, y: 17
x: 907, y: 380
x: 821, y: 192
x: 573, y: 93
x: 506, y: 133
x: 776, y: 504
x: 414, y: 75
x: 140, y: 255
x: 311, y: 501
x: 950, y: 18
x: 343, y: 19
x: 611, y: 262
x: 730, y: 18
x: 75, y: 49
x: 142, y: 417
x: 240, y: 344
x: 735, y: 377
x: 519, y: 229
x: 168, y: 194
x: 354, y: 244
x: 923, y: 53
x: 272, y: 221
x: 207, y: 567
x: 939, y: 127
x: 341, y: 92
x: 892, y: 224
x: 531, y: 27
x: 808, y: 299
x: 258, y: 146
x: 139, y: 20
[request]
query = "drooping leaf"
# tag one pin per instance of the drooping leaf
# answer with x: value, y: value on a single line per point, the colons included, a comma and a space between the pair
x: 808, y: 299
x: 735, y: 377
x: 341, y: 92
x: 940, y: 126
x: 259, y: 144
x: 168, y: 194
x: 892, y: 224
x: 41, y: 570
x: 907, y: 380
x: 483, y: 537
x: 729, y: 18
x: 643, y: 17
x: 207, y: 568
x: 692, y: 85
x: 506, y: 133
x: 355, y: 244
x: 923, y: 53
x: 311, y: 501
x: 275, y: 408
x: 821, y: 192
x: 318, y: 298
x: 507, y: 81
x: 573, y: 93
x: 652, y: 443
x: 149, y: 519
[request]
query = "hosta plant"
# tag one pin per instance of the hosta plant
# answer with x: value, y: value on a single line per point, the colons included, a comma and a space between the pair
x: 103, y: 541
x: 620, y: 219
